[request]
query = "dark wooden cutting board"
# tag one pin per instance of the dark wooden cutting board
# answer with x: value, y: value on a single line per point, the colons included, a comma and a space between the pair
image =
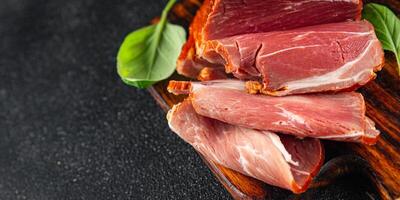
x: 380, y: 163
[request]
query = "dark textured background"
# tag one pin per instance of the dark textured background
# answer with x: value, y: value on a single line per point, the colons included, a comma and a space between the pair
x: 70, y: 129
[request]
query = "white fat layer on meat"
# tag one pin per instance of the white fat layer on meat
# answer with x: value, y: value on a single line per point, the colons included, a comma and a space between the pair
x: 242, y: 160
x: 288, y: 8
x: 290, y: 116
x: 304, y: 35
x: 249, y: 149
x: 301, y: 36
x: 351, y: 134
x: 170, y: 115
x: 371, y: 130
x: 307, y: 1
x: 278, y: 144
x: 292, y: 120
x: 288, y: 49
x: 301, y: 172
x: 228, y: 84
x: 331, y: 77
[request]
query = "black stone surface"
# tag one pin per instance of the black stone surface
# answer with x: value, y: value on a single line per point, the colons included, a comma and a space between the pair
x: 70, y: 129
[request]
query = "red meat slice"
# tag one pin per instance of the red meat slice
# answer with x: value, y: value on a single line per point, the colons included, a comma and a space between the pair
x: 281, y: 161
x: 329, y: 57
x: 326, y: 116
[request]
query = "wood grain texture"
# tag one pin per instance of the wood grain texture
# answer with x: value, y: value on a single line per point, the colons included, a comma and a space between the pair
x: 380, y: 162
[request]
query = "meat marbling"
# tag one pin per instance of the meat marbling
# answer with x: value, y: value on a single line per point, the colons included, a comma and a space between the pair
x: 327, y: 116
x: 329, y: 57
x: 277, y: 160
x: 217, y: 19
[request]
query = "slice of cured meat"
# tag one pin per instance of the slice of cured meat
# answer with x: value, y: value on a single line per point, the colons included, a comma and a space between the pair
x: 327, y: 116
x: 193, y: 66
x: 218, y: 19
x: 329, y: 57
x: 277, y: 160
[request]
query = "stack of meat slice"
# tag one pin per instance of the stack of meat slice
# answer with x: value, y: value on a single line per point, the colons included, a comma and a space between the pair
x: 298, y: 61
x: 218, y: 19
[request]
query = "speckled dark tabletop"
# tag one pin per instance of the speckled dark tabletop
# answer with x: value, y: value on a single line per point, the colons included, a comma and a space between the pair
x: 70, y: 129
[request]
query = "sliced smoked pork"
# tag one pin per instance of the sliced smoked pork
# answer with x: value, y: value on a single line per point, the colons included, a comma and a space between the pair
x: 277, y: 160
x: 328, y: 57
x: 217, y: 19
x: 327, y: 116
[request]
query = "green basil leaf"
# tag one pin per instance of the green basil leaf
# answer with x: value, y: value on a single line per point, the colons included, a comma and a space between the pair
x: 387, y: 27
x: 149, y: 54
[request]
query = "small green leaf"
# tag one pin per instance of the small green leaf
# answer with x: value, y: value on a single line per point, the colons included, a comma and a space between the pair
x: 149, y: 54
x: 387, y: 27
